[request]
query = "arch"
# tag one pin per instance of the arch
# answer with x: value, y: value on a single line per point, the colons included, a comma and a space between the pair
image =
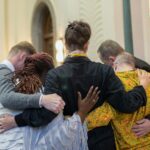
x: 43, y: 19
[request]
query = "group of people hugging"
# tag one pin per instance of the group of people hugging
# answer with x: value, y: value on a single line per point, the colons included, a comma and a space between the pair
x: 80, y: 105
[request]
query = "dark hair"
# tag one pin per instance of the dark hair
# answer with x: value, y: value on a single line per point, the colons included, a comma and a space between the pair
x: 22, y: 46
x: 30, y: 77
x: 109, y: 48
x: 76, y: 35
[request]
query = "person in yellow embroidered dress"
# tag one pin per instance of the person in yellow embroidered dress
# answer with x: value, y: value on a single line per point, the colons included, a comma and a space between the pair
x: 122, y: 123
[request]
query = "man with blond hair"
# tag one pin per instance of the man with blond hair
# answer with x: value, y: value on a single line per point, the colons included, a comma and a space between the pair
x: 11, y: 102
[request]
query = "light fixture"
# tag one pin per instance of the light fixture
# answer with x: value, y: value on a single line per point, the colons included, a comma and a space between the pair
x: 59, y: 45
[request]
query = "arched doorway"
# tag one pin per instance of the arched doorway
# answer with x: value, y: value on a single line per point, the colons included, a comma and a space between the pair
x: 42, y: 29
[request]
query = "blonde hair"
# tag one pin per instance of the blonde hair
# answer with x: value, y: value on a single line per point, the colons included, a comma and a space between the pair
x: 125, y: 58
x: 22, y: 46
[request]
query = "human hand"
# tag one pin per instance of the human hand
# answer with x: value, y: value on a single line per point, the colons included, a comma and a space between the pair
x: 86, y: 104
x: 142, y: 127
x: 53, y: 102
x: 7, y: 122
x: 144, y: 78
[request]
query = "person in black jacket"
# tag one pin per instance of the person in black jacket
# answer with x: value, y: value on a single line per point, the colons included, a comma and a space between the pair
x: 78, y: 73
x: 29, y: 80
x: 109, y: 50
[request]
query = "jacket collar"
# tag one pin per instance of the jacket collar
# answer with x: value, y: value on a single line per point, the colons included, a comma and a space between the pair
x: 9, y: 65
x: 79, y: 59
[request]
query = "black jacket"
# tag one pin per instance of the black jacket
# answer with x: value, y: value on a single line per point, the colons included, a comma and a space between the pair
x: 142, y: 64
x: 78, y: 74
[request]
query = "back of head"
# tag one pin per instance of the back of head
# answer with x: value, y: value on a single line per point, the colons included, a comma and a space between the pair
x: 23, y: 46
x: 32, y: 76
x: 109, y: 48
x: 125, y: 58
x: 77, y: 35
x: 39, y: 63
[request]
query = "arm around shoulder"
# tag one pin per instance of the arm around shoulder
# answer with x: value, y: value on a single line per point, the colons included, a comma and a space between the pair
x: 126, y: 102
x: 11, y: 99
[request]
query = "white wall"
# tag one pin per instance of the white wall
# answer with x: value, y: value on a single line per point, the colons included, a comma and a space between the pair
x: 2, y: 29
x: 104, y: 16
x: 141, y: 28
x: 146, y: 29
x: 104, y: 19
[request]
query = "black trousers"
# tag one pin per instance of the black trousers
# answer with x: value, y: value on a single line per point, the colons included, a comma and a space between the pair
x: 101, y: 138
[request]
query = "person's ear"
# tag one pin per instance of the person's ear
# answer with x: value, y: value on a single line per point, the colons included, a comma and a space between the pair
x: 111, y: 60
x: 22, y: 55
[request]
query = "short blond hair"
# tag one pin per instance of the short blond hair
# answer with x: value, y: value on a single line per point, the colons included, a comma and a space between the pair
x: 22, y: 46
x: 125, y: 58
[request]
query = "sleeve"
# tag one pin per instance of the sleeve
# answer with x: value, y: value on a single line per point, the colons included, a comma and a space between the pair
x: 101, y: 116
x: 34, y: 117
x: 12, y: 100
x: 142, y: 64
x: 126, y: 102
x: 40, y: 117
